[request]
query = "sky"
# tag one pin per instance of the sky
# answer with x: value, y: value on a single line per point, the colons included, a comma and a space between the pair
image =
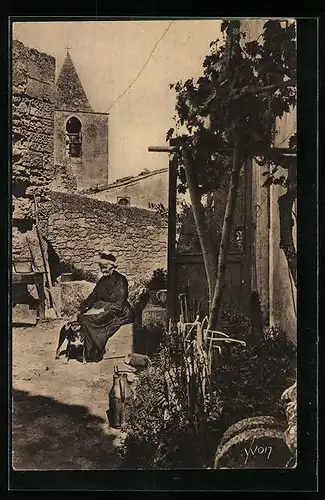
x: 108, y: 55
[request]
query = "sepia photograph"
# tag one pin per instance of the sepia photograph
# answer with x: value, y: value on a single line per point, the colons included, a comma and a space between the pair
x: 154, y: 244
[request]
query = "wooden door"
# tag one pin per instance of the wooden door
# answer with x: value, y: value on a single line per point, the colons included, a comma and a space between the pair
x: 185, y: 263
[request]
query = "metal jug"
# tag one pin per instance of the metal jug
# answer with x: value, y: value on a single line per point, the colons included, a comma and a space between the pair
x: 162, y: 297
x: 126, y: 388
x: 116, y: 397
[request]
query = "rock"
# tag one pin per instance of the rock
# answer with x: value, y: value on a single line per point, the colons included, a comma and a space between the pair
x: 72, y: 294
x: 137, y: 360
x: 50, y: 313
x: 251, y: 423
x: 22, y: 208
x: 253, y: 443
x: 289, y: 400
x: 23, y: 315
x: 17, y: 241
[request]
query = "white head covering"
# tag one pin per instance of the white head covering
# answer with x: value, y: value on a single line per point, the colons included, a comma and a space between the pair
x: 108, y: 258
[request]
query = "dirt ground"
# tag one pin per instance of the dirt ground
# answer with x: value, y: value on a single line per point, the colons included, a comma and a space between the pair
x: 59, y: 410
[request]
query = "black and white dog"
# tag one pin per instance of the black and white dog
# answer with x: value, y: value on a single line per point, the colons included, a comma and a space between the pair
x: 72, y: 332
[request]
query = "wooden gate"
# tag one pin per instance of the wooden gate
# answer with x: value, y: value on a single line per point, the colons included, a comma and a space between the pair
x: 186, y: 273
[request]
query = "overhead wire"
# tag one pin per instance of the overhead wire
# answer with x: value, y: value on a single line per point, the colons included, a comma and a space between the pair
x: 287, y: 137
x: 142, y: 68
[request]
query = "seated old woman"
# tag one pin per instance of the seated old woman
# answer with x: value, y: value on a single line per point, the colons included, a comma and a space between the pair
x: 105, y: 310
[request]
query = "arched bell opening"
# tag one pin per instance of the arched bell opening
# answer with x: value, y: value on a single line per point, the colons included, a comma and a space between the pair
x: 73, y: 137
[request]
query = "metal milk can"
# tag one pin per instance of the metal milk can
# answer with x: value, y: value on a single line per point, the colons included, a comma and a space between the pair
x: 115, y: 400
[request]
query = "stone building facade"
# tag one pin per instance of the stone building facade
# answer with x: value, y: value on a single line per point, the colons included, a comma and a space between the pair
x: 143, y: 191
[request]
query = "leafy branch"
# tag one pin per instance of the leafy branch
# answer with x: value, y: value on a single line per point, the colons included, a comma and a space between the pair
x: 244, y: 88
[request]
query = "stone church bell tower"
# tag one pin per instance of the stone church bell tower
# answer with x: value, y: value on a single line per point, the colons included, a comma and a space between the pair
x: 81, y: 134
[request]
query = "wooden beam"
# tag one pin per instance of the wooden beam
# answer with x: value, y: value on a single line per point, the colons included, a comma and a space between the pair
x: 262, y: 151
x: 171, y: 277
x: 161, y: 149
x: 252, y: 152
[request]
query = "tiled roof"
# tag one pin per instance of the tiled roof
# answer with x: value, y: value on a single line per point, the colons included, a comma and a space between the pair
x: 128, y: 180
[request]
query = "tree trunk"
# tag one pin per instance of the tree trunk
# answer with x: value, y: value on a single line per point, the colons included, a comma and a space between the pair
x: 225, y: 238
x: 208, y: 252
x: 285, y: 203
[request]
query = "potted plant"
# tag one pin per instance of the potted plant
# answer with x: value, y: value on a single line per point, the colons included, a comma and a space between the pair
x: 157, y: 287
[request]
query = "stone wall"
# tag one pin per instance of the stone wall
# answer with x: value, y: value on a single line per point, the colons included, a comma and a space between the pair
x: 33, y: 93
x: 78, y: 227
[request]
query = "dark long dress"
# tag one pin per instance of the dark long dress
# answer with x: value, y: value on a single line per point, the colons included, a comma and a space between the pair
x: 110, y: 294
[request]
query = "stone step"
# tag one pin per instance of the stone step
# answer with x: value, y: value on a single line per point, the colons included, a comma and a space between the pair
x: 121, y: 343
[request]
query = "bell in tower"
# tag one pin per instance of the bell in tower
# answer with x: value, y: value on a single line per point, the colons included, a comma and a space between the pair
x: 74, y: 137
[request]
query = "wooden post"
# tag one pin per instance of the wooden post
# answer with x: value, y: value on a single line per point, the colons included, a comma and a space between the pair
x: 172, y: 295
x: 47, y: 270
x: 225, y: 237
x: 171, y: 286
x: 41, y: 292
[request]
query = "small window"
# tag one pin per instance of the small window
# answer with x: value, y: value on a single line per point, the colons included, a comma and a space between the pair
x: 123, y: 201
x: 73, y: 138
